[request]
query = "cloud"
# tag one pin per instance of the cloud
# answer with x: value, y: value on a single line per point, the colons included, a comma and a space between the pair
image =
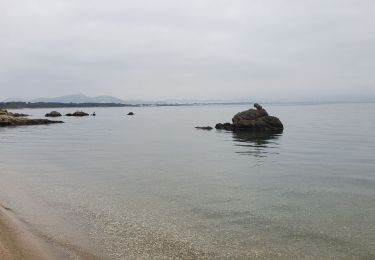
x: 203, y: 49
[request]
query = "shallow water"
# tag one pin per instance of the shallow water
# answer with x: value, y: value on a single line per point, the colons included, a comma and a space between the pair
x: 151, y: 185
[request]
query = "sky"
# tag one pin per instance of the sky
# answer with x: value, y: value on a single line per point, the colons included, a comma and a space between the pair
x: 188, y: 49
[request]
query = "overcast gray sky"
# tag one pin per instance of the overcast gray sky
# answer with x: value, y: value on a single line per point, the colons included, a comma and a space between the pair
x: 188, y: 49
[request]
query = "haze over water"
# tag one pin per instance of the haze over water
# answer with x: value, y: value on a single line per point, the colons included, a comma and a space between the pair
x: 151, y: 185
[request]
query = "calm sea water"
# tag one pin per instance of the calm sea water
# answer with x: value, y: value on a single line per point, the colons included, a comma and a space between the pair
x: 152, y: 186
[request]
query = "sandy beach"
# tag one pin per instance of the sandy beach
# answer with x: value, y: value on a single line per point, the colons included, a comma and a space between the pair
x: 16, y: 242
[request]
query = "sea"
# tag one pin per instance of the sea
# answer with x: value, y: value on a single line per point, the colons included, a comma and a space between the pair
x: 151, y: 186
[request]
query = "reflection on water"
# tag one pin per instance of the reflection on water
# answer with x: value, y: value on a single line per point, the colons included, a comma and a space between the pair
x: 256, y: 144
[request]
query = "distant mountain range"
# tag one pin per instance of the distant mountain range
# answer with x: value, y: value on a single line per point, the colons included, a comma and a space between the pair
x: 78, y: 98
x: 105, y: 99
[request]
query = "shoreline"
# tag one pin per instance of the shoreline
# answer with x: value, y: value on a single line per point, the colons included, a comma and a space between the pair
x: 17, y: 242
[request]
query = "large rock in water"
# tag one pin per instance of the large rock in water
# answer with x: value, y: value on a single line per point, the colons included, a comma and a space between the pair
x: 9, y: 119
x: 253, y: 120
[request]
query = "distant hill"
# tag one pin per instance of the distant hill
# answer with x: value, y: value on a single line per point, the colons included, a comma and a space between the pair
x: 83, y: 99
x: 78, y: 98
x: 18, y: 105
x: 14, y: 99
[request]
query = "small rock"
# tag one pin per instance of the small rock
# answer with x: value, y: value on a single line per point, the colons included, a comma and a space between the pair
x: 130, y: 114
x: 225, y: 126
x: 53, y: 114
x: 19, y: 115
x: 77, y: 113
x: 204, y: 127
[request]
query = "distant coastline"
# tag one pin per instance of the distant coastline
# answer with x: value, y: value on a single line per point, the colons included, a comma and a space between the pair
x: 22, y: 105
x: 19, y: 105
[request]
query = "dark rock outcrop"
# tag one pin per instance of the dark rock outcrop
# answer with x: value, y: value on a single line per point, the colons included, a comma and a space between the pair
x: 204, y: 127
x: 53, y: 114
x: 8, y: 119
x: 77, y: 113
x: 253, y: 120
x: 130, y: 114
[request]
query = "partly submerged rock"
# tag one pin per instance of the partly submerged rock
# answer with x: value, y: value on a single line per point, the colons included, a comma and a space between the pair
x: 204, y: 127
x: 53, y: 114
x: 224, y: 126
x: 77, y: 113
x: 19, y: 115
x: 8, y: 119
x: 253, y: 120
x: 130, y: 114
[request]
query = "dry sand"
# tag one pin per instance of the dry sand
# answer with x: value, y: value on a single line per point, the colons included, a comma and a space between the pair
x: 16, y: 242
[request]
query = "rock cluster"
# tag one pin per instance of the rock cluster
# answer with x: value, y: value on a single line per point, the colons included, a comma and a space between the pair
x: 14, y: 119
x: 5, y: 112
x: 253, y: 120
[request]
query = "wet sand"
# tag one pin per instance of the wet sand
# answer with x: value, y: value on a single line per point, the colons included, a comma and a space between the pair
x: 16, y: 242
